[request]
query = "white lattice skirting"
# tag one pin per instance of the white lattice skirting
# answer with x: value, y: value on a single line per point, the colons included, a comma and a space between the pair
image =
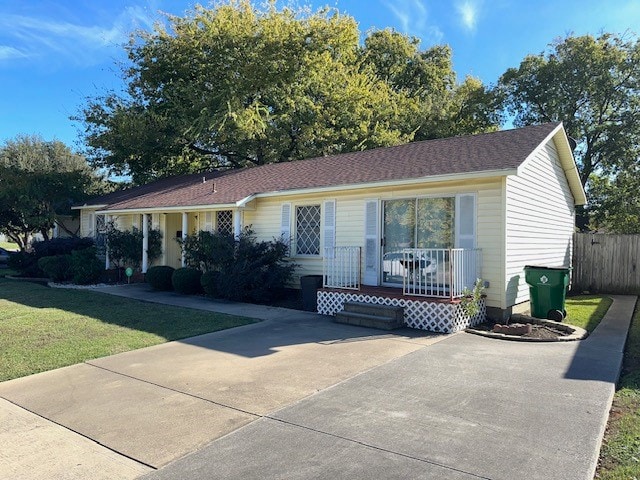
x: 421, y: 314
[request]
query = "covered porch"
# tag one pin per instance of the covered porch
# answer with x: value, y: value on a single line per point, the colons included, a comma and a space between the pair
x: 429, y: 284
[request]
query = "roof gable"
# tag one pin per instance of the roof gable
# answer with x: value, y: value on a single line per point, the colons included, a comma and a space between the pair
x: 498, y: 152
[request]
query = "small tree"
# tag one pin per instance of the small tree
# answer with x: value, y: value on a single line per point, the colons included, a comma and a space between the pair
x: 40, y: 180
x: 125, y: 246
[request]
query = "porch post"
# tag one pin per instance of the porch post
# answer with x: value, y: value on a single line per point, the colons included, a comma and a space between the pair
x: 107, y: 262
x: 145, y: 242
x: 237, y: 224
x: 185, y: 227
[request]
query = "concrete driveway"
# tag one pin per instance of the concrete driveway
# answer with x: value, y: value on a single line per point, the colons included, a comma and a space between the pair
x: 298, y: 397
x: 468, y: 407
x: 140, y: 410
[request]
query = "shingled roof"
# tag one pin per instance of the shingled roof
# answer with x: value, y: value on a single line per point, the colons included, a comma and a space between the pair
x: 503, y: 150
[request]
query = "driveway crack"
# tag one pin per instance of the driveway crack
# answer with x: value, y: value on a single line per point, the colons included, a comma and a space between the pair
x: 368, y: 445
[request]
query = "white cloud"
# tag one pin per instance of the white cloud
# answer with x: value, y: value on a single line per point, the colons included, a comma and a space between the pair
x: 83, y: 44
x: 8, y: 53
x: 413, y: 17
x: 468, y: 11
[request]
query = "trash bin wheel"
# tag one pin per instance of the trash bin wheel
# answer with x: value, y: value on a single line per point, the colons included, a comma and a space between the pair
x: 555, y: 315
x: 564, y: 314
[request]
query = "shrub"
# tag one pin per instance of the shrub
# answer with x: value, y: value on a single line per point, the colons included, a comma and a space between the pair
x: 186, y: 280
x: 85, y: 266
x: 61, y: 246
x: 160, y: 277
x: 27, y: 262
x: 210, y: 282
x: 56, y: 267
x: 243, y: 268
x: 208, y: 251
x: 125, y: 246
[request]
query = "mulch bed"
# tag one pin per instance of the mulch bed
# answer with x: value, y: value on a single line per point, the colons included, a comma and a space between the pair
x: 537, y: 331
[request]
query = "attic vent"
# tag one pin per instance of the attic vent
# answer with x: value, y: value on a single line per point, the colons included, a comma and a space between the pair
x: 213, y: 187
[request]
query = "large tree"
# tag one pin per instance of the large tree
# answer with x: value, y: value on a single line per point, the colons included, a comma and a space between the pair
x: 235, y: 85
x: 40, y: 180
x: 592, y: 84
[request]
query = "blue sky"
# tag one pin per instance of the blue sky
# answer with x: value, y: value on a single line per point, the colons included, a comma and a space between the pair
x: 55, y: 53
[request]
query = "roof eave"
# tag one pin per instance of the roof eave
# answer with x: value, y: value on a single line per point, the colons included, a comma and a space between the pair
x: 386, y: 183
x: 86, y: 205
x: 310, y: 190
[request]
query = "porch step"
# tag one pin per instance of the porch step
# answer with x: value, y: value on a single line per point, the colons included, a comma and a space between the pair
x: 373, y: 316
x: 397, y: 313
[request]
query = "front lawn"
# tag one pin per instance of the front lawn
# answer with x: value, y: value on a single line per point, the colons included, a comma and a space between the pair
x: 620, y: 452
x: 44, y: 328
x: 586, y: 311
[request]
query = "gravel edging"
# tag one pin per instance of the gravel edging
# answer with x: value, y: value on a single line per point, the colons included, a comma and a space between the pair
x: 72, y: 286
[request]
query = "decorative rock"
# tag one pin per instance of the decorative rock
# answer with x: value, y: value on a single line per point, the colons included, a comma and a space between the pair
x: 513, y: 329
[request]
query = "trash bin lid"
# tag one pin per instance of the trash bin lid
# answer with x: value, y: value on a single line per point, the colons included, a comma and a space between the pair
x: 540, y: 267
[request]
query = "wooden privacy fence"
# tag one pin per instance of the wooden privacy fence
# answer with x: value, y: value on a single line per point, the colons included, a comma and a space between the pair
x: 606, y: 263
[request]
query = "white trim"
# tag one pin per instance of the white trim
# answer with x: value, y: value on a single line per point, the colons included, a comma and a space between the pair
x: 329, y: 227
x: 371, y: 270
x: 457, y: 236
x: 285, y: 225
x: 145, y: 242
x: 185, y: 228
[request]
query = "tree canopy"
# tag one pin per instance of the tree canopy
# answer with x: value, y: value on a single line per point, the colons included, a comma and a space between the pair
x: 39, y: 180
x: 235, y: 85
x: 592, y: 84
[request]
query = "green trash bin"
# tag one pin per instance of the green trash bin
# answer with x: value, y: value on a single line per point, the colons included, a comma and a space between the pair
x: 547, y: 290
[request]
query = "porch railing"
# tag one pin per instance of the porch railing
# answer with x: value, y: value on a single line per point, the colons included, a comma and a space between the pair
x: 439, y: 272
x: 342, y: 267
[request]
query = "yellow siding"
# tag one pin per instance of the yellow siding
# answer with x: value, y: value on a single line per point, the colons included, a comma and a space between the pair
x: 539, y: 220
x: 86, y: 222
x: 263, y: 215
x: 350, y: 204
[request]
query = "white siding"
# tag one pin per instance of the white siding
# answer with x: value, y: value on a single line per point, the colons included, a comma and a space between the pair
x: 540, y: 218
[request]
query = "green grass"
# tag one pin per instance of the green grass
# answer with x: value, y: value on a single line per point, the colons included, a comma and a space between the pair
x: 620, y: 452
x: 45, y: 328
x: 586, y: 311
x: 8, y: 272
x: 9, y: 246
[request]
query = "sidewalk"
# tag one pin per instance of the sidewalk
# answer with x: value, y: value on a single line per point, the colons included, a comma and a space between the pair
x: 466, y: 407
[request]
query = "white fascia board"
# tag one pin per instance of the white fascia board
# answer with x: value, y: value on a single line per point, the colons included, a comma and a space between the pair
x: 179, y: 209
x: 393, y: 183
x: 80, y: 207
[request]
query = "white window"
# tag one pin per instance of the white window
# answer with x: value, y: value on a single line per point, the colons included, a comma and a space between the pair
x: 308, y: 230
x: 224, y: 221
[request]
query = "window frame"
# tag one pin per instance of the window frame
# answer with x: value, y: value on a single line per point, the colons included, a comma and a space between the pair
x: 317, y: 230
